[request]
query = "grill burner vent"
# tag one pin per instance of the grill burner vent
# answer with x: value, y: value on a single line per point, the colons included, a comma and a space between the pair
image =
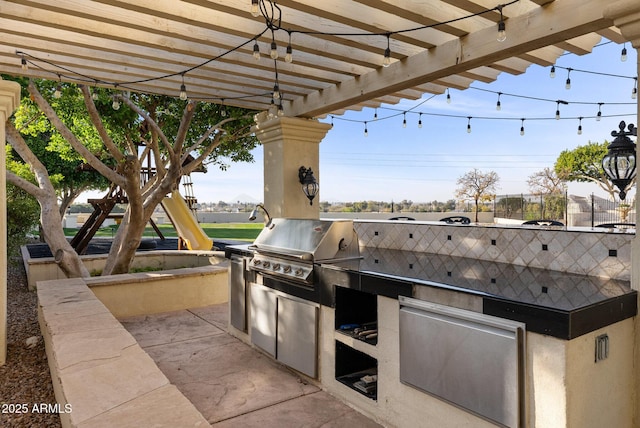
x: 287, y: 248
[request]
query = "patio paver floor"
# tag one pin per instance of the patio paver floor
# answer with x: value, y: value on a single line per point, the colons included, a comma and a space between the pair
x: 228, y: 381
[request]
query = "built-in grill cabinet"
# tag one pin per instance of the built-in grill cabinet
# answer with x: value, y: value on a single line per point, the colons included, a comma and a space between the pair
x: 283, y: 296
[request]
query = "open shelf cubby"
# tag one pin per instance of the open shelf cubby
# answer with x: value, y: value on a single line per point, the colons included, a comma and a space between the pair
x: 357, y: 370
x: 356, y: 314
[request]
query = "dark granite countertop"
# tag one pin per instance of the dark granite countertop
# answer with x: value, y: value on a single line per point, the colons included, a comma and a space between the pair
x: 560, y: 304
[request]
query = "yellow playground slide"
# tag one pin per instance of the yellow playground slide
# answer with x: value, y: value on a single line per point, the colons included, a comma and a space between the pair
x: 186, y: 223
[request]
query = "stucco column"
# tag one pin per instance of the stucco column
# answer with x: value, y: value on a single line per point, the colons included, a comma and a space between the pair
x: 9, y: 101
x: 626, y: 16
x: 289, y: 143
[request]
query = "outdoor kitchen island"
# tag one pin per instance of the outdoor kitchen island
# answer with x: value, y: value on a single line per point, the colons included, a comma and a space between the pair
x: 422, y: 339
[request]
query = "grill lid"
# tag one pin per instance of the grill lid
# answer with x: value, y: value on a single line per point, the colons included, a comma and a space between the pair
x: 308, y: 239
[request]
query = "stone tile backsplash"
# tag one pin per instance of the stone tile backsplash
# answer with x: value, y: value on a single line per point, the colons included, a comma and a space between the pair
x: 593, y: 253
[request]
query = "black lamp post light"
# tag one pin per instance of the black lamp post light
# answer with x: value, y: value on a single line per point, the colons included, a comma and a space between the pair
x: 310, y: 186
x: 620, y: 161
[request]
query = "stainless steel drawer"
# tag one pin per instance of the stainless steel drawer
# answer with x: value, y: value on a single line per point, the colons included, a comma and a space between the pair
x: 469, y: 359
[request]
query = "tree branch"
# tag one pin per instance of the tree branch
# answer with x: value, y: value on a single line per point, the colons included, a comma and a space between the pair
x: 71, y: 138
x: 97, y: 122
x: 152, y: 123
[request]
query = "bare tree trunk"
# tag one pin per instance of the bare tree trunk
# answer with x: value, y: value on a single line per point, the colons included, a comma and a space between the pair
x: 65, y: 256
x: 50, y: 217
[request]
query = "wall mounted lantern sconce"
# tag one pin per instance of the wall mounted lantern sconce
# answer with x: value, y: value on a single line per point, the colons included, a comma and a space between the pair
x: 310, y: 186
x: 620, y: 161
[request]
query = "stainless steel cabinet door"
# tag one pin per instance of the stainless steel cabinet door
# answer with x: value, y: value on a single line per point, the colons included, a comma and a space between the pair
x: 264, y: 312
x: 297, y: 335
x: 237, y: 293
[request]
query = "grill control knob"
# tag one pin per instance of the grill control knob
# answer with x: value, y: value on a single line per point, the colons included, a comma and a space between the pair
x: 266, y: 264
x: 286, y: 269
x: 256, y: 262
x: 276, y: 266
x: 298, y: 272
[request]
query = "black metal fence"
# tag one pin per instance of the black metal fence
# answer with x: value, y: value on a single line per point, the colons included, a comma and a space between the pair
x: 571, y: 210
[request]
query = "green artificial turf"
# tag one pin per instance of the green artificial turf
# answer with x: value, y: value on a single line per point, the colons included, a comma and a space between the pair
x: 231, y: 231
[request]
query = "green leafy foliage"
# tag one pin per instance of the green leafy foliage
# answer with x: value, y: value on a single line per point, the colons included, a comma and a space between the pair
x: 584, y: 163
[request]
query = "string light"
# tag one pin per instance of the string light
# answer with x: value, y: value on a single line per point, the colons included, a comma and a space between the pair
x: 256, y: 51
x: 58, y: 92
x: 498, y: 104
x: 24, y: 64
x: 580, y: 126
x: 386, y: 60
x: 522, y: 126
x: 404, y: 120
x: 448, y: 97
x: 183, y: 90
x: 634, y: 91
x: 420, y: 121
x: 276, y: 91
x: 94, y: 95
x: 255, y: 8
x: 623, y: 54
x: 116, y: 103
x: 469, y: 125
x: 599, y: 114
x: 558, y: 110
x: 568, y: 83
x: 375, y: 114
x: 366, y: 131
x: 223, y: 110
x: 552, y: 73
x: 274, y: 50
x: 289, y: 56
x: 502, y: 34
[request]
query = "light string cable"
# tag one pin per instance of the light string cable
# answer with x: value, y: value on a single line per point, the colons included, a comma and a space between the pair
x: 273, y: 22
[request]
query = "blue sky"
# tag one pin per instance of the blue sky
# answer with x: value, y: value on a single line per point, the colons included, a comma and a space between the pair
x: 423, y: 164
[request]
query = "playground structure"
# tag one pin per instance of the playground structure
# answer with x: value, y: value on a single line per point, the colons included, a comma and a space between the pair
x: 180, y: 210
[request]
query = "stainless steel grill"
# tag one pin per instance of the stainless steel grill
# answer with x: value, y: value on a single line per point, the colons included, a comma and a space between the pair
x: 287, y: 248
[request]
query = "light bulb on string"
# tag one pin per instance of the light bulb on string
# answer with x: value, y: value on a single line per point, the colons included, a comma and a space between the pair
x: 568, y: 82
x: 255, y: 8
x: 94, y: 94
x: 24, y: 64
x: 366, y: 131
x: 223, y: 110
x: 375, y: 114
x: 634, y: 91
x: 386, y: 60
x: 502, y: 34
x: 498, y: 104
x: 256, y: 51
x: 280, y: 109
x: 183, y: 90
x: 448, y: 97
x: 623, y: 54
x: 558, y: 108
x: 599, y: 114
x: 404, y: 120
x: 116, y: 103
x: 274, y: 50
x: 420, y: 121
x: 552, y: 73
x: 289, y: 56
x: 58, y: 92
x: 276, y: 92
x: 469, y: 125
x: 522, y: 126
x: 580, y: 126
x: 332, y: 121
